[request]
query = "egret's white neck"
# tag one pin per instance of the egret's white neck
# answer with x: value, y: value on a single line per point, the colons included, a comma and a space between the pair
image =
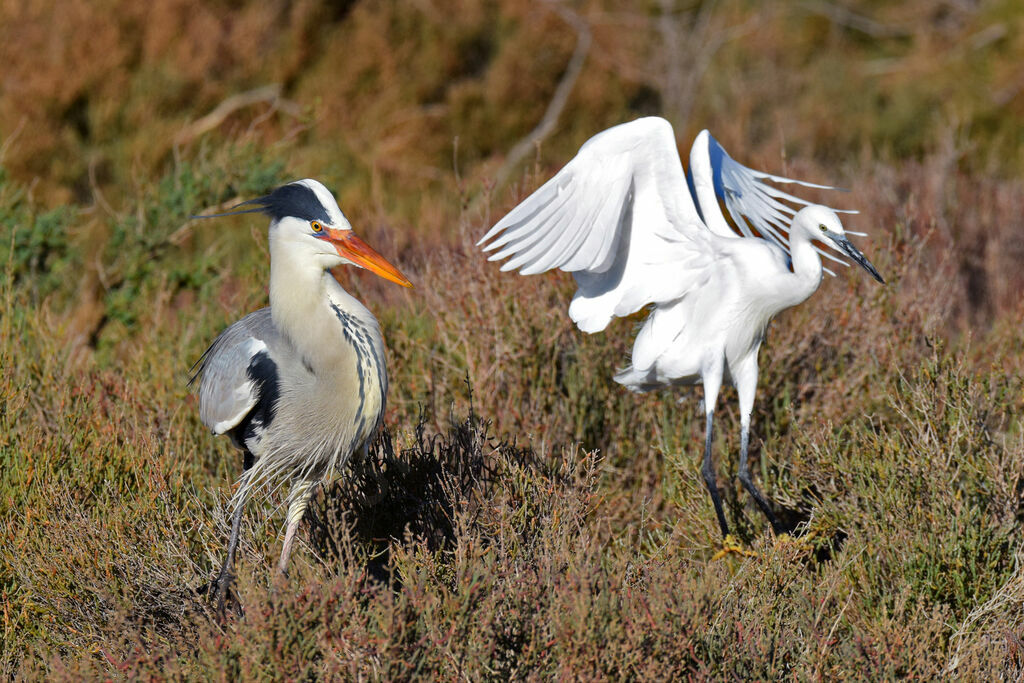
x: 807, y: 270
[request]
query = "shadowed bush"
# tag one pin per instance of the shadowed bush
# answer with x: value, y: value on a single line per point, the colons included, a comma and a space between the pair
x: 419, y: 494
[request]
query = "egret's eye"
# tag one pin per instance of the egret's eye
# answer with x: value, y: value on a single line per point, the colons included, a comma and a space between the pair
x: 317, y: 228
x: 823, y: 228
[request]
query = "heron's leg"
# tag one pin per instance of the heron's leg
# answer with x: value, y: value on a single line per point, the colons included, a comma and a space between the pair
x: 226, y: 576
x: 301, y: 493
x: 746, y: 385
x: 712, y: 382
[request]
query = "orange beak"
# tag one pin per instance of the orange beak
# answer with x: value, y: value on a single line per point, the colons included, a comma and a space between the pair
x: 362, y: 254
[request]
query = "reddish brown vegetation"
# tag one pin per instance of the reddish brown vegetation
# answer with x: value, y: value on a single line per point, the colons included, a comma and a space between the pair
x: 559, y: 526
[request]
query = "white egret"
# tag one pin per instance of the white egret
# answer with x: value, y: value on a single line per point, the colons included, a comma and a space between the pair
x: 635, y: 231
x: 300, y: 385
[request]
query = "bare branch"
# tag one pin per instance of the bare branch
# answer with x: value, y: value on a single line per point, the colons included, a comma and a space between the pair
x: 558, y: 100
x: 689, y: 42
x: 267, y: 93
x: 841, y: 16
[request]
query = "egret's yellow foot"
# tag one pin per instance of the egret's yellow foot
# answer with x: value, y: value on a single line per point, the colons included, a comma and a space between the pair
x: 730, y: 544
x: 804, y: 543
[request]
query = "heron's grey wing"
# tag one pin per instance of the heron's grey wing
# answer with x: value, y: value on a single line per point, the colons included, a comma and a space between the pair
x: 619, y: 216
x: 748, y: 196
x: 228, y: 386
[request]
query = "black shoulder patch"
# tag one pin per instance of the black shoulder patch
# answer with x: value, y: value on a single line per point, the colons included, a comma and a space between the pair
x: 262, y: 371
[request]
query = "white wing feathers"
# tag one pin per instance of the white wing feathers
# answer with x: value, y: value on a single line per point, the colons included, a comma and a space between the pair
x: 746, y: 195
x: 619, y: 217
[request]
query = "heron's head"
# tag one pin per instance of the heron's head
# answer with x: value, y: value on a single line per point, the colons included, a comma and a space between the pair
x: 822, y: 224
x: 306, y: 220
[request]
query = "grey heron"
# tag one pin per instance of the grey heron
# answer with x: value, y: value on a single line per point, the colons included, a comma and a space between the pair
x: 635, y: 231
x: 300, y: 385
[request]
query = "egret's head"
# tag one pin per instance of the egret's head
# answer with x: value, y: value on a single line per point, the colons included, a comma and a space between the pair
x: 822, y: 224
x: 305, y: 219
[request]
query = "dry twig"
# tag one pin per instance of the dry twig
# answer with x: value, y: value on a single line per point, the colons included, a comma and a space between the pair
x: 267, y: 93
x: 558, y: 100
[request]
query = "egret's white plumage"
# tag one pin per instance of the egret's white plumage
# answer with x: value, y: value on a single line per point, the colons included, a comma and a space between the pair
x: 635, y: 231
x: 302, y: 384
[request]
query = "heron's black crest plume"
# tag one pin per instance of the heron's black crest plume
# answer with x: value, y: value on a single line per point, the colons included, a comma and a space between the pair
x: 294, y: 199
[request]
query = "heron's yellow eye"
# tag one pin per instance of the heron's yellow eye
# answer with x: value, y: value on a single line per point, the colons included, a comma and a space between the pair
x: 316, y: 226
x: 823, y: 228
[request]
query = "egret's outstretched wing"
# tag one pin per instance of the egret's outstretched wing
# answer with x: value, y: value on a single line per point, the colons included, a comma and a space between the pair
x: 619, y: 216
x: 233, y: 372
x: 747, y: 196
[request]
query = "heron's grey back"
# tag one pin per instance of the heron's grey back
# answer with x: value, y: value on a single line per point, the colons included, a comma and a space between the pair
x: 227, y: 390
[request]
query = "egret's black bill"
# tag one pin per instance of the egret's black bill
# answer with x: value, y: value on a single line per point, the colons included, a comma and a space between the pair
x: 854, y: 253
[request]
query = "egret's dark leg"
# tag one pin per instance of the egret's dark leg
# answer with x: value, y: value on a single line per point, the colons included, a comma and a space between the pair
x: 712, y: 382
x: 745, y: 376
x: 708, y: 471
x: 748, y: 483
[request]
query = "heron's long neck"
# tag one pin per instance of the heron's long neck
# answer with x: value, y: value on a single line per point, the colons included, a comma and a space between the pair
x: 303, y: 299
x: 344, y: 383
x: 807, y: 269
